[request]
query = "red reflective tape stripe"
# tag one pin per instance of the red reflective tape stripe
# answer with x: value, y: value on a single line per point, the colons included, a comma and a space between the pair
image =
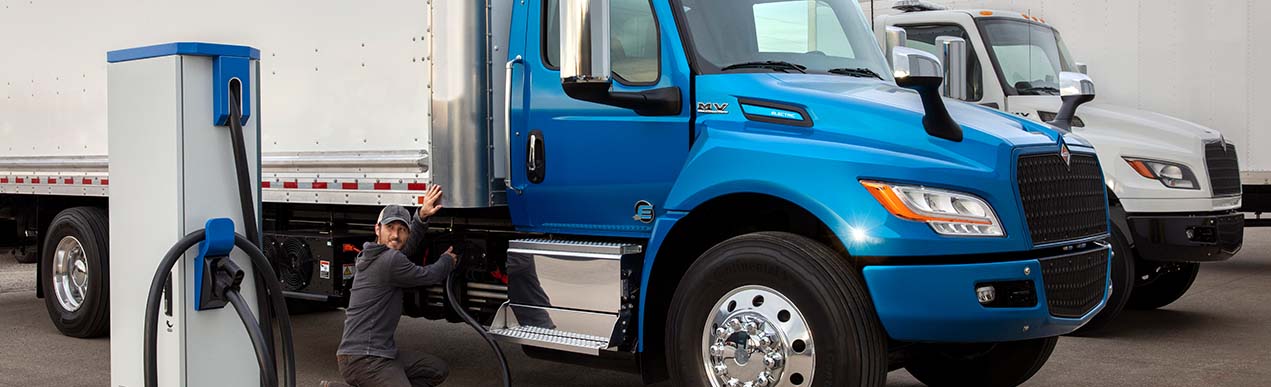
x: 383, y: 186
x: 264, y: 184
x: 290, y: 184
x: 319, y: 185
x: 87, y: 181
x: 105, y: 182
x: 348, y: 185
x: 416, y: 186
x: 4, y: 180
x: 68, y: 181
x: 21, y: 180
x: 35, y: 180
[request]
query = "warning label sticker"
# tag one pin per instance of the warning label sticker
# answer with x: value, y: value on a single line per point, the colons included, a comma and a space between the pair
x: 348, y: 271
x: 324, y: 269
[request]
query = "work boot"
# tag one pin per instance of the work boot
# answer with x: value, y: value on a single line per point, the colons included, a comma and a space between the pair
x: 328, y: 383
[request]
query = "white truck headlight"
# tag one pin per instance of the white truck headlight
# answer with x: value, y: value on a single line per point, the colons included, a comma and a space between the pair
x: 947, y: 212
x: 1172, y: 175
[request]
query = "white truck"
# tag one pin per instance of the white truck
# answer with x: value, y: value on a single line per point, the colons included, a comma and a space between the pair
x: 1174, y: 186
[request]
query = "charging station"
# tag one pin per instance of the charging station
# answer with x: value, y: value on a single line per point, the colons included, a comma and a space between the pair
x: 171, y: 170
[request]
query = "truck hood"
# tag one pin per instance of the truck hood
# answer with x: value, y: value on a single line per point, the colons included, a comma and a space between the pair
x: 1153, y: 133
x: 871, y: 112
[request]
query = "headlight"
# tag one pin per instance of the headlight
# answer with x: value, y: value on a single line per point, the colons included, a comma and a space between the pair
x: 947, y: 212
x: 1172, y: 175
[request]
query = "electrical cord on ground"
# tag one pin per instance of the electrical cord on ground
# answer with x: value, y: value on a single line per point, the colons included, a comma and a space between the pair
x: 452, y: 291
x: 164, y: 272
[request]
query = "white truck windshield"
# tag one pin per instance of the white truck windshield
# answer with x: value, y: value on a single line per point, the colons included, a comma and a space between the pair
x: 803, y: 36
x: 1028, y: 56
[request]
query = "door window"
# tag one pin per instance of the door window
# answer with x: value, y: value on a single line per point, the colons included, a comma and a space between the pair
x: 634, y: 53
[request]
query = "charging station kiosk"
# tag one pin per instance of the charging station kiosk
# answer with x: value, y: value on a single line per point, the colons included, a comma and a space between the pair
x: 172, y: 169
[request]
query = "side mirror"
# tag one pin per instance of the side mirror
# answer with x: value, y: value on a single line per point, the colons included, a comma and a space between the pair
x: 921, y: 71
x: 954, y: 57
x: 895, y: 37
x: 585, y: 66
x: 1081, y: 68
x: 584, y: 45
x: 1075, y: 89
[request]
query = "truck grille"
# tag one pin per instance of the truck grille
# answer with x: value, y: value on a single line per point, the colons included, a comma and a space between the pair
x: 1075, y: 284
x: 1224, y: 169
x: 1062, y: 202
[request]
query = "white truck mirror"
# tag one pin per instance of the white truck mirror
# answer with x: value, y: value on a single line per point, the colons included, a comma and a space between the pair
x: 1074, y: 84
x: 954, y: 56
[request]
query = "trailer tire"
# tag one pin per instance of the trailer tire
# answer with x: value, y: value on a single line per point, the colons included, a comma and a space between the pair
x: 807, y: 285
x: 77, y: 293
x: 1122, y: 276
x: 1165, y: 288
x: 1004, y: 364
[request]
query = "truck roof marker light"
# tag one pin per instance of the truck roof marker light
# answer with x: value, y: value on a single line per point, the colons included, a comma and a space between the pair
x: 986, y: 13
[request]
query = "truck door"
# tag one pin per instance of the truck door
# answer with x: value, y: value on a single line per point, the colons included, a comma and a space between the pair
x: 588, y: 168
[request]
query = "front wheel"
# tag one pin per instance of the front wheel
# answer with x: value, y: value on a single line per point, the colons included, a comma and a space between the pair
x: 774, y: 309
x: 1005, y: 364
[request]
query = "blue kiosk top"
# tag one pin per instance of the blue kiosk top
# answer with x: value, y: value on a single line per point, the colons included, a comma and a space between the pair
x: 181, y: 48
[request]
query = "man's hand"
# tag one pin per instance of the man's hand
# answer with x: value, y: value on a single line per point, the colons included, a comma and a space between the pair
x: 431, y: 203
x: 451, y: 252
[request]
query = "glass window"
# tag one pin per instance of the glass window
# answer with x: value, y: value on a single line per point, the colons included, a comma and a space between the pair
x: 633, y: 39
x: 1029, y: 56
x: 923, y: 37
x: 815, y: 36
x: 789, y: 26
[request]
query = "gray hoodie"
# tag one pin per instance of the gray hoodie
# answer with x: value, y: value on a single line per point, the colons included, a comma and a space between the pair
x: 375, y: 300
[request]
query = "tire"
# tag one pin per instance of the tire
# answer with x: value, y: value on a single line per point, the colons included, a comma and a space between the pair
x: 988, y: 365
x: 1163, y: 288
x: 807, y: 284
x: 1122, y: 287
x: 83, y: 229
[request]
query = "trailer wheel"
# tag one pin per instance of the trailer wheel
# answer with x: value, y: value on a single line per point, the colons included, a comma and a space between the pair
x: 774, y: 309
x: 1161, y: 284
x: 75, y: 274
x: 1122, y: 276
x: 1005, y: 364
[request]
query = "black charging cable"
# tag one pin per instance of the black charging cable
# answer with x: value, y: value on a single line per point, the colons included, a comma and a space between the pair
x: 452, y: 295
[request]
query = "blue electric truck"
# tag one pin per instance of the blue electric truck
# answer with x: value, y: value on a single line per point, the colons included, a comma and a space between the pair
x: 718, y: 192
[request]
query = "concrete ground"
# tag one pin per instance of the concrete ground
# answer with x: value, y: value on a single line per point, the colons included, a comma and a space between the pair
x: 1216, y: 335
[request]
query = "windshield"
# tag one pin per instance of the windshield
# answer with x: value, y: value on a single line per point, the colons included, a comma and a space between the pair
x: 1028, y: 56
x: 803, y: 36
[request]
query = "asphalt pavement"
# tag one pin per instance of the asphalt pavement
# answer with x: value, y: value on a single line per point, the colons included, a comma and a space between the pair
x: 1218, y: 334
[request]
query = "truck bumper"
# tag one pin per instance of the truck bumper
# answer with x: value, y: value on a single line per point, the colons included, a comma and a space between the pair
x: 938, y: 303
x: 1187, y: 237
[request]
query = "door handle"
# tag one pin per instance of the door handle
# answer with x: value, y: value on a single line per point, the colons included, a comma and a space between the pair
x: 532, y: 163
x: 507, y: 121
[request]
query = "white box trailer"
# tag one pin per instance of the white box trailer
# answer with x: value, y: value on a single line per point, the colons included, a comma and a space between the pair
x: 351, y: 115
x: 1191, y: 59
x: 345, y: 93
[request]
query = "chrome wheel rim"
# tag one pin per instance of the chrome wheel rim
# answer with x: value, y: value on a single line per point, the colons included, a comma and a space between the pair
x: 70, y: 273
x: 756, y: 337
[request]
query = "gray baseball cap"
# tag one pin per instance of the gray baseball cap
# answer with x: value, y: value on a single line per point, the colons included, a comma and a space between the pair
x: 394, y: 213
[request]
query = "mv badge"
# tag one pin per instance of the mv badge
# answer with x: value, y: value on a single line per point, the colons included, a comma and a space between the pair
x: 712, y: 108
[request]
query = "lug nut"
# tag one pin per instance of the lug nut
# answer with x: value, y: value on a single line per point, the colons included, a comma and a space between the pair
x: 721, y: 369
x: 717, y: 350
x: 765, y: 341
x: 733, y: 382
x: 772, y: 360
x: 734, y: 324
x: 762, y: 380
x: 751, y: 327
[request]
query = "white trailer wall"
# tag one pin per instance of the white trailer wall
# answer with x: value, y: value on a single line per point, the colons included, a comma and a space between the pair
x: 346, y: 76
x: 1193, y: 59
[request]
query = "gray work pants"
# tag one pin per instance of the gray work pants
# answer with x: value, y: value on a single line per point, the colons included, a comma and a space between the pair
x: 409, y: 369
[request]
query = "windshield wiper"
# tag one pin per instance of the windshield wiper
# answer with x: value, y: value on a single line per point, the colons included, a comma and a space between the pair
x: 778, y: 65
x: 1037, y: 90
x: 860, y: 72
